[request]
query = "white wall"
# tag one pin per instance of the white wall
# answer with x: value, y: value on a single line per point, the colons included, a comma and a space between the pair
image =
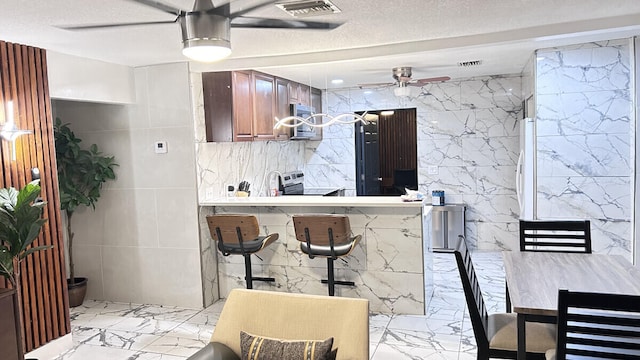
x: 82, y: 79
x: 141, y: 243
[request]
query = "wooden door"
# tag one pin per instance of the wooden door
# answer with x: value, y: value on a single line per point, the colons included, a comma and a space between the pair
x: 398, y: 146
x: 282, y: 107
x: 242, y: 106
x: 264, y: 101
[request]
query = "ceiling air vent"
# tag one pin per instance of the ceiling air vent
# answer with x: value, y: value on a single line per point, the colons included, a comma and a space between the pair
x: 470, y: 63
x: 304, y: 8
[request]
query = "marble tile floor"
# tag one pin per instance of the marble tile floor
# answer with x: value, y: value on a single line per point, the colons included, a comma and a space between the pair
x: 120, y: 331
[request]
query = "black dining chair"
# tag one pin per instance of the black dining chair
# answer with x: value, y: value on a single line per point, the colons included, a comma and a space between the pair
x: 597, y: 326
x: 555, y: 236
x: 496, y: 334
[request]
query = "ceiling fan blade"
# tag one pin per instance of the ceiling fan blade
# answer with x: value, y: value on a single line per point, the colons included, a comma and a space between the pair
x: 222, y: 9
x: 420, y: 82
x: 241, y: 12
x: 107, y: 26
x: 250, y: 22
x: 160, y: 6
x: 374, y: 85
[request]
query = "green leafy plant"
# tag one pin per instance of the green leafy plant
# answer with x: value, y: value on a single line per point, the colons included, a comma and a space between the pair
x: 81, y: 174
x: 20, y: 224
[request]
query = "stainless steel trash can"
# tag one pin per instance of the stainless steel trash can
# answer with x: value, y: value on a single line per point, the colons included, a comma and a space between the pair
x: 447, y: 224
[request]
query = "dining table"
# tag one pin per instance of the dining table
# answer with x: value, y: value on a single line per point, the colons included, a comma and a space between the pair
x: 534, y: 278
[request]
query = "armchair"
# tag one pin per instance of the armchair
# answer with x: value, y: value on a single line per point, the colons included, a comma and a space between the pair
x: 290, y: 317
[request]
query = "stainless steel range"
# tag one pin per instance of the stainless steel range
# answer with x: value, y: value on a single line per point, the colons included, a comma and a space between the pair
x: 293, y: 184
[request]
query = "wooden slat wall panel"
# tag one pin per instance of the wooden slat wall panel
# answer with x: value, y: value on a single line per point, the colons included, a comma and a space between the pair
x: 398, y: 142
x: 23, y: 80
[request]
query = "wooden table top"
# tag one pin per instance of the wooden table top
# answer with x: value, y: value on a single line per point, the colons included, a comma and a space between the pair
x: 534, y: 278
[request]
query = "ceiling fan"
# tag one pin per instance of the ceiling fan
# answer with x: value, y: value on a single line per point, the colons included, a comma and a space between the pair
x: 206, y: 28
x: 402, y: 76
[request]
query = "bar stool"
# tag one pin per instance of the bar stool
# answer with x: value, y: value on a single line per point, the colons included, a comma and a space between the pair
x: 240, y: 235
x: 327, y: 236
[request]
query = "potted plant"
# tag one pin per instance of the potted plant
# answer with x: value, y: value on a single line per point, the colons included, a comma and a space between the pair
x: 20, y: 224
x: 81, y: 173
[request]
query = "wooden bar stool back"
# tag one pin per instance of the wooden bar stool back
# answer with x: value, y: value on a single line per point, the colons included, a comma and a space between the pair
x: 327, y: 236
x: 240, y: 235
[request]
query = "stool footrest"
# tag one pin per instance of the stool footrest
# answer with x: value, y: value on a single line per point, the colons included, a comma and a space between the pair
x: 339, y: 282
x: 269, y: 279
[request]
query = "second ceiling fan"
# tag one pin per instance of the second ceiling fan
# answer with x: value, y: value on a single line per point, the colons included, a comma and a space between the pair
x: 206, y: 29
x: 402, y: 77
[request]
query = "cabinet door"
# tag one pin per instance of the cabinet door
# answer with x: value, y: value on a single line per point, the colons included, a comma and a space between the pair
x: 304, y: 95
x: 316, y: 103
x: 293, y: 92
x: 282, y: 107
x: 264, y: 100
x: 242, y: 106
x: 218, y: 105
x: 299, y: 93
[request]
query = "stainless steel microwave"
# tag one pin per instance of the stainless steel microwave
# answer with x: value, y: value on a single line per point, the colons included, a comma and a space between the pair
x: 303, y: 131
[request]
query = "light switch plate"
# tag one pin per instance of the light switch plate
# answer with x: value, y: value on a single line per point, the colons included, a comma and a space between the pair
x: 432, y: 170
x: 161, y: 147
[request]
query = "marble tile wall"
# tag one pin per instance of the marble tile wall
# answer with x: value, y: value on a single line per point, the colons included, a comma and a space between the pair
x: 141, y: 242
x: 467, y: 128
x: 585, y: 145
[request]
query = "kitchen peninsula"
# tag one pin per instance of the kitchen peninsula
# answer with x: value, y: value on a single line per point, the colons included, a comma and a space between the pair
x: 390, y: 266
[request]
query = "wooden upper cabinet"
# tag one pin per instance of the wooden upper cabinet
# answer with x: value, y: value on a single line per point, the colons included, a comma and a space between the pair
x: 282, y: 107
x: 316, y: 104
x: 243, y: 105
x: 264, y: 106
x: 218, y: 105
x: 304, y: 95
x: 243, y: 109
x: 299, y: 93
x: 293, y: 92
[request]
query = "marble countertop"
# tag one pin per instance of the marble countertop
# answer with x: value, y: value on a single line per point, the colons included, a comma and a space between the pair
x: 293, y: 200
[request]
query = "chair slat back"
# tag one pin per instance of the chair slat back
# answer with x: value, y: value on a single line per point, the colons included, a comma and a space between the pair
x: 228, y: 223
x: 555, y: 236
x: 472, y: 293
x: 595, y: 325
x: 318, y: 226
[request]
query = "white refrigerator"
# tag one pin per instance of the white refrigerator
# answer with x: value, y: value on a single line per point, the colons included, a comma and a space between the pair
x: 526, y: 170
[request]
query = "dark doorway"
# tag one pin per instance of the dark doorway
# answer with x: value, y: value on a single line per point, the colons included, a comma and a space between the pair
x: 386, y: 152
x: 367, y: 155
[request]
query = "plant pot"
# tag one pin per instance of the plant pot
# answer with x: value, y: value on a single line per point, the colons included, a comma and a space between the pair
x: 77, y: 291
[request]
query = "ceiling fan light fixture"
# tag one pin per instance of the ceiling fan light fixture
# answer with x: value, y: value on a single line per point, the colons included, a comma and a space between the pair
x: 205, y: 36
x: 402, y: 91
x: 206, y: 50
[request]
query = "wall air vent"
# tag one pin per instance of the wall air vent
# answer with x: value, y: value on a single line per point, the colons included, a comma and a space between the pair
x: 470, y: 63
x: 304, y: 8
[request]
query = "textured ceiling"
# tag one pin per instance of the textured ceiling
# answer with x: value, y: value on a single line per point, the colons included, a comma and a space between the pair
x: 432, y: 36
